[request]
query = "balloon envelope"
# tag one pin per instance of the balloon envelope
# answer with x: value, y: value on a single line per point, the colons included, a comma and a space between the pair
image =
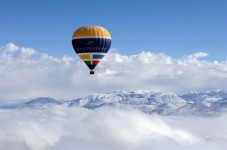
x: 91, y: 43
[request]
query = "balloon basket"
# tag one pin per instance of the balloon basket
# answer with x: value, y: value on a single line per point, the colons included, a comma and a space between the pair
x: 92, y: 72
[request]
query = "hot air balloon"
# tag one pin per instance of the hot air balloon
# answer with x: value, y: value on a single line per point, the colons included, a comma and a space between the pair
x: 91, y: 43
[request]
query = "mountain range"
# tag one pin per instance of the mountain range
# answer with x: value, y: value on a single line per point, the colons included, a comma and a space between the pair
x: 208, y: 103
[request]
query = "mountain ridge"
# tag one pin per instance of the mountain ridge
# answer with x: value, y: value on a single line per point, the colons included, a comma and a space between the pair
x: 207, y: 103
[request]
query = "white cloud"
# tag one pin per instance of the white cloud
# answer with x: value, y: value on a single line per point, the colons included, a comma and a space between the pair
x: 56, y: 128
x: 26, y: 73
x: 196, y: 56
x: 11, y: 47
x: 26, y: 52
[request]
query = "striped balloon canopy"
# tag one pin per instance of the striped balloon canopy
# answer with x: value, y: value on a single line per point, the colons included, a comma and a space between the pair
x: 91, y: 43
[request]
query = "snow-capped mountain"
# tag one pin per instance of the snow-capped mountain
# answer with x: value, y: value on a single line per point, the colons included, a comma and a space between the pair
x: 37, y: 102
x: 33, y: 103
x: 209, y: 102
x: 193, y: 103
x: 147, y: 101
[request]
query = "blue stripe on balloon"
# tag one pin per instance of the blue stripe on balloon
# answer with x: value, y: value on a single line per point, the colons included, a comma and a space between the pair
x: 98, y: 56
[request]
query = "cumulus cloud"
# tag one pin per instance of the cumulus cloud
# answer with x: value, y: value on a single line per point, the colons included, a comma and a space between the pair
x: 57, y: 128
x: 26, y: 73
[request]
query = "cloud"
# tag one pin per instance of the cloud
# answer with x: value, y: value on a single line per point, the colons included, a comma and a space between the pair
x: 56, y: 128
x: 196, y: 56
x: 26, y: 73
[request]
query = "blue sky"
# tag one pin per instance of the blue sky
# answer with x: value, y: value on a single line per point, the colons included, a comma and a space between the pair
x: 173, y: 27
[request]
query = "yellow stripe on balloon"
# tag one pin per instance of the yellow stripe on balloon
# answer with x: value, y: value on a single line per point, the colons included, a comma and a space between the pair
x: 91, y: 31
x: 86, y: 56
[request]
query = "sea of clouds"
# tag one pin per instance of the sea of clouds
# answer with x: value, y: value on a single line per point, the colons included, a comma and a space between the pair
x: 26, y: 73
x: 59, y: 127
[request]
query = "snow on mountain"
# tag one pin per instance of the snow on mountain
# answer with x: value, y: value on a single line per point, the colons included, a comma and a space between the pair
x: 146, y: 101
x: 206, y: 103
x: 40, y: 102
x: 209, y: 96
x: 34, y: 103
x: 193, y: 103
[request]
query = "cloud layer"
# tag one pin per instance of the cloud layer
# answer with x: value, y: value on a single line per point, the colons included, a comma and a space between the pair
x: 25, y: 73
x: 57, y: 128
